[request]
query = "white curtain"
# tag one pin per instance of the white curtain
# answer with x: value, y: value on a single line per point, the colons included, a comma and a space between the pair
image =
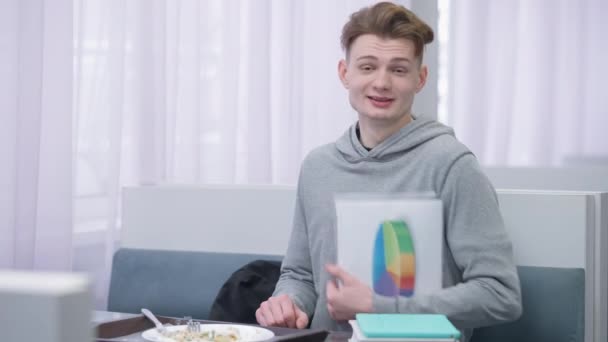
x: 96, y: 95
x: 207, y: 91
x: 36, y: 151
x: 527, y: 80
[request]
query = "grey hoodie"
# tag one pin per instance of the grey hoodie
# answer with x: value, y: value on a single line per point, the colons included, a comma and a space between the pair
x: 480, y: 281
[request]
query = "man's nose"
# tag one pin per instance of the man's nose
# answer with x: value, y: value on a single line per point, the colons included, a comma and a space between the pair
x: 382, y: 80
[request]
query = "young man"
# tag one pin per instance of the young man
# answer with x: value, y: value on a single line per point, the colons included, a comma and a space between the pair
x: 390, y: 150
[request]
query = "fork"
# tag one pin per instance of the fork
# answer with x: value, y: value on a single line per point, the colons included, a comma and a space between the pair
x: 193, y: 326
x: 159, y: 326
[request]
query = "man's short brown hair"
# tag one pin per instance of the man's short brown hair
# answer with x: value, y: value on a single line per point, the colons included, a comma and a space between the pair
x: 387, y: 20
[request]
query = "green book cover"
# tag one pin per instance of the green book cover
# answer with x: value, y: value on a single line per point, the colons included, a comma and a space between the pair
x: 406, y: 326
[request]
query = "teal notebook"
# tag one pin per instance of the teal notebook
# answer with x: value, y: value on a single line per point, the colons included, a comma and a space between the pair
x: 406, y: 326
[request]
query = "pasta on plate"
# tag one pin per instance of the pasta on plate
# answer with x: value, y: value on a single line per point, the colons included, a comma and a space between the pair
x: 210, y: 333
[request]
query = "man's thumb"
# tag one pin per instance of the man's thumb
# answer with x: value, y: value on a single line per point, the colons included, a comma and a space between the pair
x: 301, y: 319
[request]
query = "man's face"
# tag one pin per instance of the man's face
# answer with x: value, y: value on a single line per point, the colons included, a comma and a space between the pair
x: 382, y: 77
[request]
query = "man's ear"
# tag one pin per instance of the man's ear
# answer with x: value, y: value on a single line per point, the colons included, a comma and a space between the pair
x: 422, y: 76
x: 342, y: 70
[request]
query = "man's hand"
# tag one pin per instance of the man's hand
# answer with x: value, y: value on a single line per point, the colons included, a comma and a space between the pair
x: 352, y: 297
x: 281, y: 311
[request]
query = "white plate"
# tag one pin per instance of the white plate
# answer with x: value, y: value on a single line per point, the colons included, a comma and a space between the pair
x: 246, y: 333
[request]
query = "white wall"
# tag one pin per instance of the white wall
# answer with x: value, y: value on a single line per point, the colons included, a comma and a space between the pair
x: 427, y: 100
x: 587, y: 178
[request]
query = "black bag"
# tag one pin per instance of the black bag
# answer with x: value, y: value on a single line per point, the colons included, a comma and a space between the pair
x: 244, y: 291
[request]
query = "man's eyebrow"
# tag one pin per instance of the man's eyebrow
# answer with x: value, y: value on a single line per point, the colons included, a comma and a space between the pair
x: 401, y: 59
x: 396, y: 59
x: 367, y: 57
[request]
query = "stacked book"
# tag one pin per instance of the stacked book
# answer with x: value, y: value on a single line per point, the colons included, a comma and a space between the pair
x: 403, y: 328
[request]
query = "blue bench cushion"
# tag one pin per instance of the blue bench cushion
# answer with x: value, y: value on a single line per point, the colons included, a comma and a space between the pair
x: 553, y: 308
x: 171, y: 283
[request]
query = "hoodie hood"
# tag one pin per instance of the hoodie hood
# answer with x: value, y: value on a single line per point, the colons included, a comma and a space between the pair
x: 415, y: 133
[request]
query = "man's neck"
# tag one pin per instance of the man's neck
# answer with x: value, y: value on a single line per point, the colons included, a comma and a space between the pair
x: 374, y: 132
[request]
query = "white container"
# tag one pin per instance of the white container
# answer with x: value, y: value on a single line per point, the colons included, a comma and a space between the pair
x: 45, y: 306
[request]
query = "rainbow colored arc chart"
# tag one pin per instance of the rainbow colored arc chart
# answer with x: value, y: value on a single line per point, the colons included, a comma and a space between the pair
x: 394, y: 264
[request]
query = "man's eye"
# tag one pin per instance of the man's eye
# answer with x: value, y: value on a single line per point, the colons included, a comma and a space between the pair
x: 400, y: 70
x: 367, y: 68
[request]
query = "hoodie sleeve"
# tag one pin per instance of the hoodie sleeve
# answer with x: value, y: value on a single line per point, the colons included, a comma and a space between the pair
x: 478, y: 244
x: 296, y: 278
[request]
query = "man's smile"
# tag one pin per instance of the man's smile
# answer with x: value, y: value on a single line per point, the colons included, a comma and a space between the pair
x: 381, y: 101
